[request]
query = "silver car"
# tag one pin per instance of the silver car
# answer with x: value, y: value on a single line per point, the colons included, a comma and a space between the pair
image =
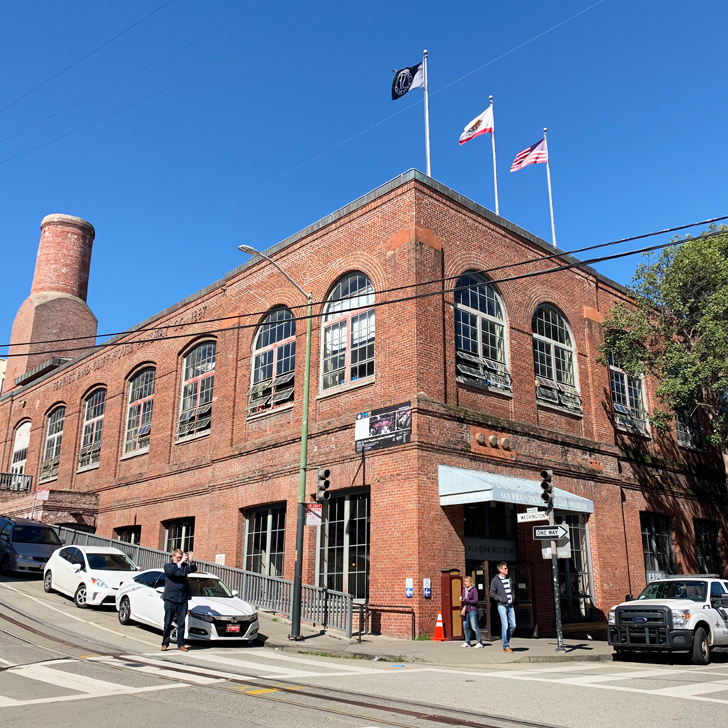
x: 25, y: 545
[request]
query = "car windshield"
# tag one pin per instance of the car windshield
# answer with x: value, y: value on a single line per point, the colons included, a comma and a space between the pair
x: 35, y: 534
x: 688, y: 589
x: 209, y: 586
x: 110, y: 562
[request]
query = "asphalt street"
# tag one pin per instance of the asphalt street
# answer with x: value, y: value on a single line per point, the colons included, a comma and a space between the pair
x: 61, y: 666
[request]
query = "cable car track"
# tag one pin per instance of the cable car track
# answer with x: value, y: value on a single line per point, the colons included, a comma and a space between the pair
x: 435, y: 714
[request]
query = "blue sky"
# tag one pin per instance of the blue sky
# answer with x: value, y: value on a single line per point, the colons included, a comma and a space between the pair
x: 634, y: 96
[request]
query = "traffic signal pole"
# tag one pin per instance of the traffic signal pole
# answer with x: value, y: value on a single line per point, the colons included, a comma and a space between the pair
x: 555, y: 583
x: 547, y: 496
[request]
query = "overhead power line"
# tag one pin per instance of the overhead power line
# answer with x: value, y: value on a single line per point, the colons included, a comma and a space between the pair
x: 83, y: 58
x: 137, y: 72
x: 375, y: 304
x: 505, y: 266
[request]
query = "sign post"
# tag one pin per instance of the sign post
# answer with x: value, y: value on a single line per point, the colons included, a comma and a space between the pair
x: 555, y: 581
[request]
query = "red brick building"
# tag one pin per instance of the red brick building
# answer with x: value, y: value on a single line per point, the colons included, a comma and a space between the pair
x: 186, y: 430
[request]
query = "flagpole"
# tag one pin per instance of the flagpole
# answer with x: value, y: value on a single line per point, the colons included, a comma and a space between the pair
x: 551, y: 199
x: 495, y: 171
x: 427, y: 119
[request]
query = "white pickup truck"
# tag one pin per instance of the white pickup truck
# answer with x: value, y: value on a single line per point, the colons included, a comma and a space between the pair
x: 687, y: 613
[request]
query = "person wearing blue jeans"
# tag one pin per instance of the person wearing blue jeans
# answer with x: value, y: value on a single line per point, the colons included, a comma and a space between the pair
x: 502, y: 593
x: 469, y: 600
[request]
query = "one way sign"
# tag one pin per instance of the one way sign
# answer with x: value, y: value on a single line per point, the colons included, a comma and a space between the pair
x: 550, y: 533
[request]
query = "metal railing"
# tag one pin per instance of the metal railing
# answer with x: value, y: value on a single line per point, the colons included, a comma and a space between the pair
x: 330, y: 609
x: 15, y: 481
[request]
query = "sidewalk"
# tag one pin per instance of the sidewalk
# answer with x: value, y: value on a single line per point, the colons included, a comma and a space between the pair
x: 274, y: 633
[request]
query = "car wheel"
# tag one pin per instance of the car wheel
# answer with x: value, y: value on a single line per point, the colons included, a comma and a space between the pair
x: 701, y: 647
x: 80, y: 596
x: 125, y: 611
x: 5, y: 565
x: 48, y: 582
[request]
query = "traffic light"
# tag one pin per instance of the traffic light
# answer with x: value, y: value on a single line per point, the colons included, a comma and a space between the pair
x: 547, y: 485
x: 322, y: 485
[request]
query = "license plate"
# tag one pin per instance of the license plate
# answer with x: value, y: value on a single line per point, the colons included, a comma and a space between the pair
x: 232, y: 628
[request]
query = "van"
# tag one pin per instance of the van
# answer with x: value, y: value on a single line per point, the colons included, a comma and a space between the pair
x: 25, y: 545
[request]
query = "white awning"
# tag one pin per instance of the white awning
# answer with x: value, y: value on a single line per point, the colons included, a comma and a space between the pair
x: 461, y: 485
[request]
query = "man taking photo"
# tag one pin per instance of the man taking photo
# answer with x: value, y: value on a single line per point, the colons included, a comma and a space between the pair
x: 177, y: 593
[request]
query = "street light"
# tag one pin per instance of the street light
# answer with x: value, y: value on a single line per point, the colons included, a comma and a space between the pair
x: 297, y: 564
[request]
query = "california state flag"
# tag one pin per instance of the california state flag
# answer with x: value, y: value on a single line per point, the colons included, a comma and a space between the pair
x: 482, y: 124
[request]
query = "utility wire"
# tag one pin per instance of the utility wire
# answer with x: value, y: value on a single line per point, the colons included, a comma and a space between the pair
x: 83, y: 58
x: 138, y: 71
x: 378, y: 304
x: 171, y: 86
x: 432, y: 281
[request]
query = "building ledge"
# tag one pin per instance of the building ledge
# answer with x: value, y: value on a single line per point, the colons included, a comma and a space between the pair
x: 43, y: 368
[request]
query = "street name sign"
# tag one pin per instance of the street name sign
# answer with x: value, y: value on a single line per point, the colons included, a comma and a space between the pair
x: 537, y: 516
x: 549, y: 533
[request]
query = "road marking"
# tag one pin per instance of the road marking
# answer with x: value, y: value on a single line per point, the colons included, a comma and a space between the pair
x: 9, y: 702
x: 268, y: 654
x: 250, y: 665
x: 43, y: 604
x: 686, y: 691
x: 78, y: 619
x: 182, y: 666
x: 7, y: 662
x: 69, y: 680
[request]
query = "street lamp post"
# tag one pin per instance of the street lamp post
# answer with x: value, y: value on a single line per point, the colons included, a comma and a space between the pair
x: 298, y: 560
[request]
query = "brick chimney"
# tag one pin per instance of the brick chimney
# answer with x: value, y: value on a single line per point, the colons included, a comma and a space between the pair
x: 56, y: 307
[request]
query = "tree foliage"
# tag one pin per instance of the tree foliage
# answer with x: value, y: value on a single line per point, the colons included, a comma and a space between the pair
x: 677, y: 330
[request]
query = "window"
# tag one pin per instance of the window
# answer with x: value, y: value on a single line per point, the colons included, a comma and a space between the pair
x: 148, y: 578
x: 20, y: 449
x: 129, y: 534
x: 344, y: 549
x: 479, y: 334
x: 706, y: 546
x: 265, y: 542
x: 179, y: 534
x: 628, y: 400
x: 139, y: 411
x: 656, y: 545
x: 93, y: 425
x: 689, y: 428
x: 348, y: 340
x: 553, y: 359
x: 274, y: 361
x: 198, y: 378
x: 575, y: 573
x: 52, y: 449
x: 493, y: 519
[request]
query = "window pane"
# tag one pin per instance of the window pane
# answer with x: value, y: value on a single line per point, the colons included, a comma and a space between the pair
x: 334, y: 367
x: 353, y: 291
x: 543, y: 364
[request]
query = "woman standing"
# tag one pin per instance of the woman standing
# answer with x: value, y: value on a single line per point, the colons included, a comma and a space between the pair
x: 469, y: 611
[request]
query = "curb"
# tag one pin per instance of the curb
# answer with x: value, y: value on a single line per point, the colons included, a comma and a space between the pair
x: 383, y: 657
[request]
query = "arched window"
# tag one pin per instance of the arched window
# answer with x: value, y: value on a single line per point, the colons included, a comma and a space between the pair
x: 93, y: 426
x: 554, y: 356
x: 348, y: 340
x: 52, y: 447
x: 198, y: 379
x: 480, y: 342
x: 274, y: 361
x: 20, y: 448
x: 139, y: 411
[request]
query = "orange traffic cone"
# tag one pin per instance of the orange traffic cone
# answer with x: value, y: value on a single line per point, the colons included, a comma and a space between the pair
x: 439, y: 630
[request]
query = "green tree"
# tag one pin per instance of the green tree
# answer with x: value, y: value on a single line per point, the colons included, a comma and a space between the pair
x: 677, y: 330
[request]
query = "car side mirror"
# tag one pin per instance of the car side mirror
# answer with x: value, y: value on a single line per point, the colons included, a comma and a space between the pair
x: 159, y: 590
x: 628, y: 598
x: 719, y: 601
x: 235, y: 592
x: 77, y: 567
x: 63, y: 540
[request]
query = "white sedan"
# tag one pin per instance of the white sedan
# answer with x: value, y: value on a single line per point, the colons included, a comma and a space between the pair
x: 91, y: 575
x: 214, y: 612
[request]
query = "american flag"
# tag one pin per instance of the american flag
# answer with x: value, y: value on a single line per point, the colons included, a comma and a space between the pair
x: 535, y: 154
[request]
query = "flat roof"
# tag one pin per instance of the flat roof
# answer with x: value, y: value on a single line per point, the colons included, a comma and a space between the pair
x: 408, y: 176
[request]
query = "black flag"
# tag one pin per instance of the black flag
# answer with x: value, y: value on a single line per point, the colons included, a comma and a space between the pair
x: 406, y: 79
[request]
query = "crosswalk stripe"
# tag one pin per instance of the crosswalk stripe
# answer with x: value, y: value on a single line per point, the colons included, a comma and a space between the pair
x: 68, y: 680
x: 180, y: 667
x: 245, y: 664
x: 686, y: 691
x: 269, y: 654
